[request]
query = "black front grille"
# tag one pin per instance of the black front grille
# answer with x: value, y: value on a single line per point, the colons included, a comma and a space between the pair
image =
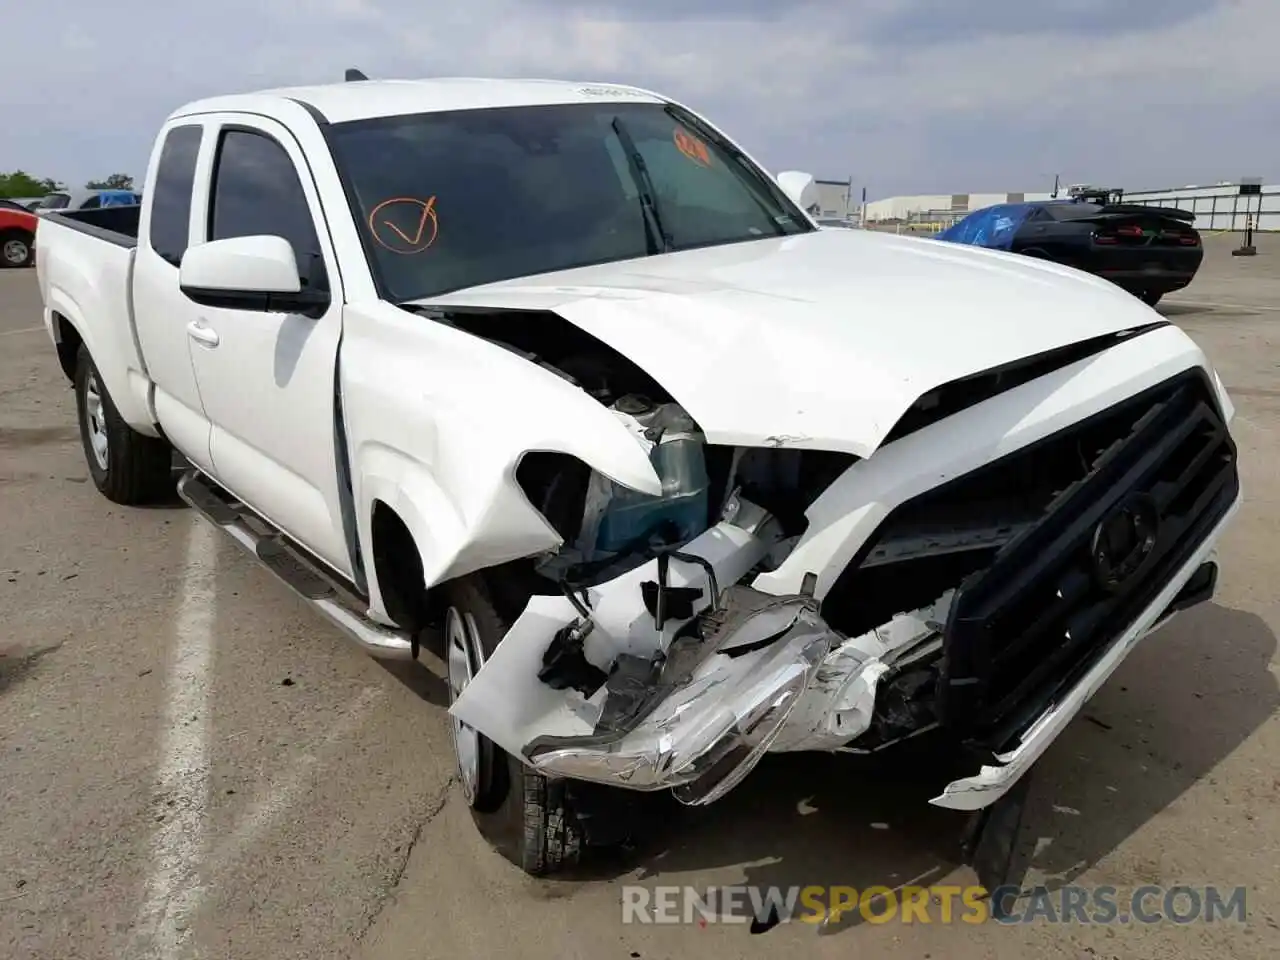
x: 1037, y: 615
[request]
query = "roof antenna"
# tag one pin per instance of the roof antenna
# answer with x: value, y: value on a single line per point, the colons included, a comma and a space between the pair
x: 353, y: 74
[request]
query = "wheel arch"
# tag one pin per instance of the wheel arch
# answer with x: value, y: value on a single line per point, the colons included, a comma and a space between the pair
x: 399, y: 545
x: 67, y: 340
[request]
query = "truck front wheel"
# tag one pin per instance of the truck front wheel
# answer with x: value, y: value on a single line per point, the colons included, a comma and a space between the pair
x: 127, y: 467
x: 527, y: 818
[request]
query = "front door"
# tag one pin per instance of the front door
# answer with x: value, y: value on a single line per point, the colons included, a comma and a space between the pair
x: 267, y: 378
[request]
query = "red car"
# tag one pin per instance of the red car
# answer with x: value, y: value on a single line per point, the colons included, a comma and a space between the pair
x: 17, y: 235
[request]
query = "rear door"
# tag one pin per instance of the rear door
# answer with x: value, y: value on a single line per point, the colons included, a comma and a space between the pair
x: 161, y: 311
x: 267, y: 378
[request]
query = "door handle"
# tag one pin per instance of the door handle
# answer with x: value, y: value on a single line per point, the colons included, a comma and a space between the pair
x: 198, y: 332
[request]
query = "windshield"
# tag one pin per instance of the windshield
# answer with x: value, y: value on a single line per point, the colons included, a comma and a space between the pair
x: 54, y: 201
x: 453, y: 200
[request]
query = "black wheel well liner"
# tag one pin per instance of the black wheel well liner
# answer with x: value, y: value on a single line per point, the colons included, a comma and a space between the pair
x: 68, y: 345
x: 397, y: 568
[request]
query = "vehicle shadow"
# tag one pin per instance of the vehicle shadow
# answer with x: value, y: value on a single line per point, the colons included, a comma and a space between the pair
x: 19, y: 665
x: 1182, y: 309
x: 1187, y: 697
x: 426, y: 683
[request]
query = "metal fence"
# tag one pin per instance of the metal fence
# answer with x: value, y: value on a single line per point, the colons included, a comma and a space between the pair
x: 1228, y: 211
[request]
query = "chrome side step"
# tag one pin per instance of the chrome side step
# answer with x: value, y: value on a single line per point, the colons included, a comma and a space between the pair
x: 269, y: 548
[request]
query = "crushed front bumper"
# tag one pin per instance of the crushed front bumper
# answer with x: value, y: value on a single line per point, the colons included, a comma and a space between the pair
x: 708, y: 733
x: 773, y: 677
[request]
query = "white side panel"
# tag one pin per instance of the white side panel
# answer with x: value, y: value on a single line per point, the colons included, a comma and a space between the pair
x: 86, y: 280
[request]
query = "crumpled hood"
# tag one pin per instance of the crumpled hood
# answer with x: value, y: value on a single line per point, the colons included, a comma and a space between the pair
x: 822, y: 340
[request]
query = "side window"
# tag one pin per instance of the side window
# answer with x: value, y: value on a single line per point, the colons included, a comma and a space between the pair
x: 93, y: 203
x: 171, y: 194
x: 256, y: 191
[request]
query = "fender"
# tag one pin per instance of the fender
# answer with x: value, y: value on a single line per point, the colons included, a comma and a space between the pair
x: 438, y: 420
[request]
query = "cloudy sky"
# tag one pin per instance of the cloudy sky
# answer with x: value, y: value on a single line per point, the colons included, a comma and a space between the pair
x: 906, y: 96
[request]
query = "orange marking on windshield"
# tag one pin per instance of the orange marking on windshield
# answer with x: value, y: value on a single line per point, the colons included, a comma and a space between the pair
x: 691, y: 147
x: 405, y: 224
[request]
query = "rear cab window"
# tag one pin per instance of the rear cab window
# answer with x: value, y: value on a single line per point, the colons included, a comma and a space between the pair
x: 170, y: 226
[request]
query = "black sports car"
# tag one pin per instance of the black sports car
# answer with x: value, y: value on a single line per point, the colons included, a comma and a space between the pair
x: 1149, y: 251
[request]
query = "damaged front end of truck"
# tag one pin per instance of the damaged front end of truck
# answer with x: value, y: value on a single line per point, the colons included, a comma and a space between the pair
x: 675, y: 673
x: 774, y: 599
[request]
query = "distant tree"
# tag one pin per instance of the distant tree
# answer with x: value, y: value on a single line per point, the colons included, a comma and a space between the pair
x: 19, y: 183
x: 117, y: 181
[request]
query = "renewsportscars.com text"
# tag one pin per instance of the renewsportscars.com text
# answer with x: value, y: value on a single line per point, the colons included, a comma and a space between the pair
x: 1178, y: 904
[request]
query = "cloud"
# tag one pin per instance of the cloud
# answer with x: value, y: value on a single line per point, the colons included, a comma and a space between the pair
x: 948, y: 21
x: 904, y: 95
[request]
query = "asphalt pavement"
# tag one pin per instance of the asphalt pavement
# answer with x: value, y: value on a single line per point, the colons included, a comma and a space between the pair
x: 194, y: 765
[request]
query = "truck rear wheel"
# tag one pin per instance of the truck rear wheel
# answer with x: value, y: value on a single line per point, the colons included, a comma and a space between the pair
x: 527, y: 818
x: 126, y: 466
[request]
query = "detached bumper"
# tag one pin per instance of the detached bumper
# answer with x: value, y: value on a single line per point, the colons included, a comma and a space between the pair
x: 709, y: 732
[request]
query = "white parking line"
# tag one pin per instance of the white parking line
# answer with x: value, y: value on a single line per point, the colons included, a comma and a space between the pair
x: 162, y: 926
x: 14, y: 333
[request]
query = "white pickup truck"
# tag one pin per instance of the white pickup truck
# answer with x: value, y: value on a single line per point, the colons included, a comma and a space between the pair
x: 557, y: 377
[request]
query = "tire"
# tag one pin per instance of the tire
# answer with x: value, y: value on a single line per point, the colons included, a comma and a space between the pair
x: 1151, y: 299
x: 17, y: 249
x: 535, y: 823
x: 127, y: 467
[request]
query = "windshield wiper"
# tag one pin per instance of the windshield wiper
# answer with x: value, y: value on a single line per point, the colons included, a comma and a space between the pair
x: 659, y: 240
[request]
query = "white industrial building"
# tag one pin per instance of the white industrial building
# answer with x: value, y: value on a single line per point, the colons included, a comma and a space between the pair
x: 940, y: 205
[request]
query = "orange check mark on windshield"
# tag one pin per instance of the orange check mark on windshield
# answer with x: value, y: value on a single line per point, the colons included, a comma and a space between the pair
x: 428, y: 213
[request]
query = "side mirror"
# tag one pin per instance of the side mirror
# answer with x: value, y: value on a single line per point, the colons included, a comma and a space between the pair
x: 802, y: 189
x: 248, y: 273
